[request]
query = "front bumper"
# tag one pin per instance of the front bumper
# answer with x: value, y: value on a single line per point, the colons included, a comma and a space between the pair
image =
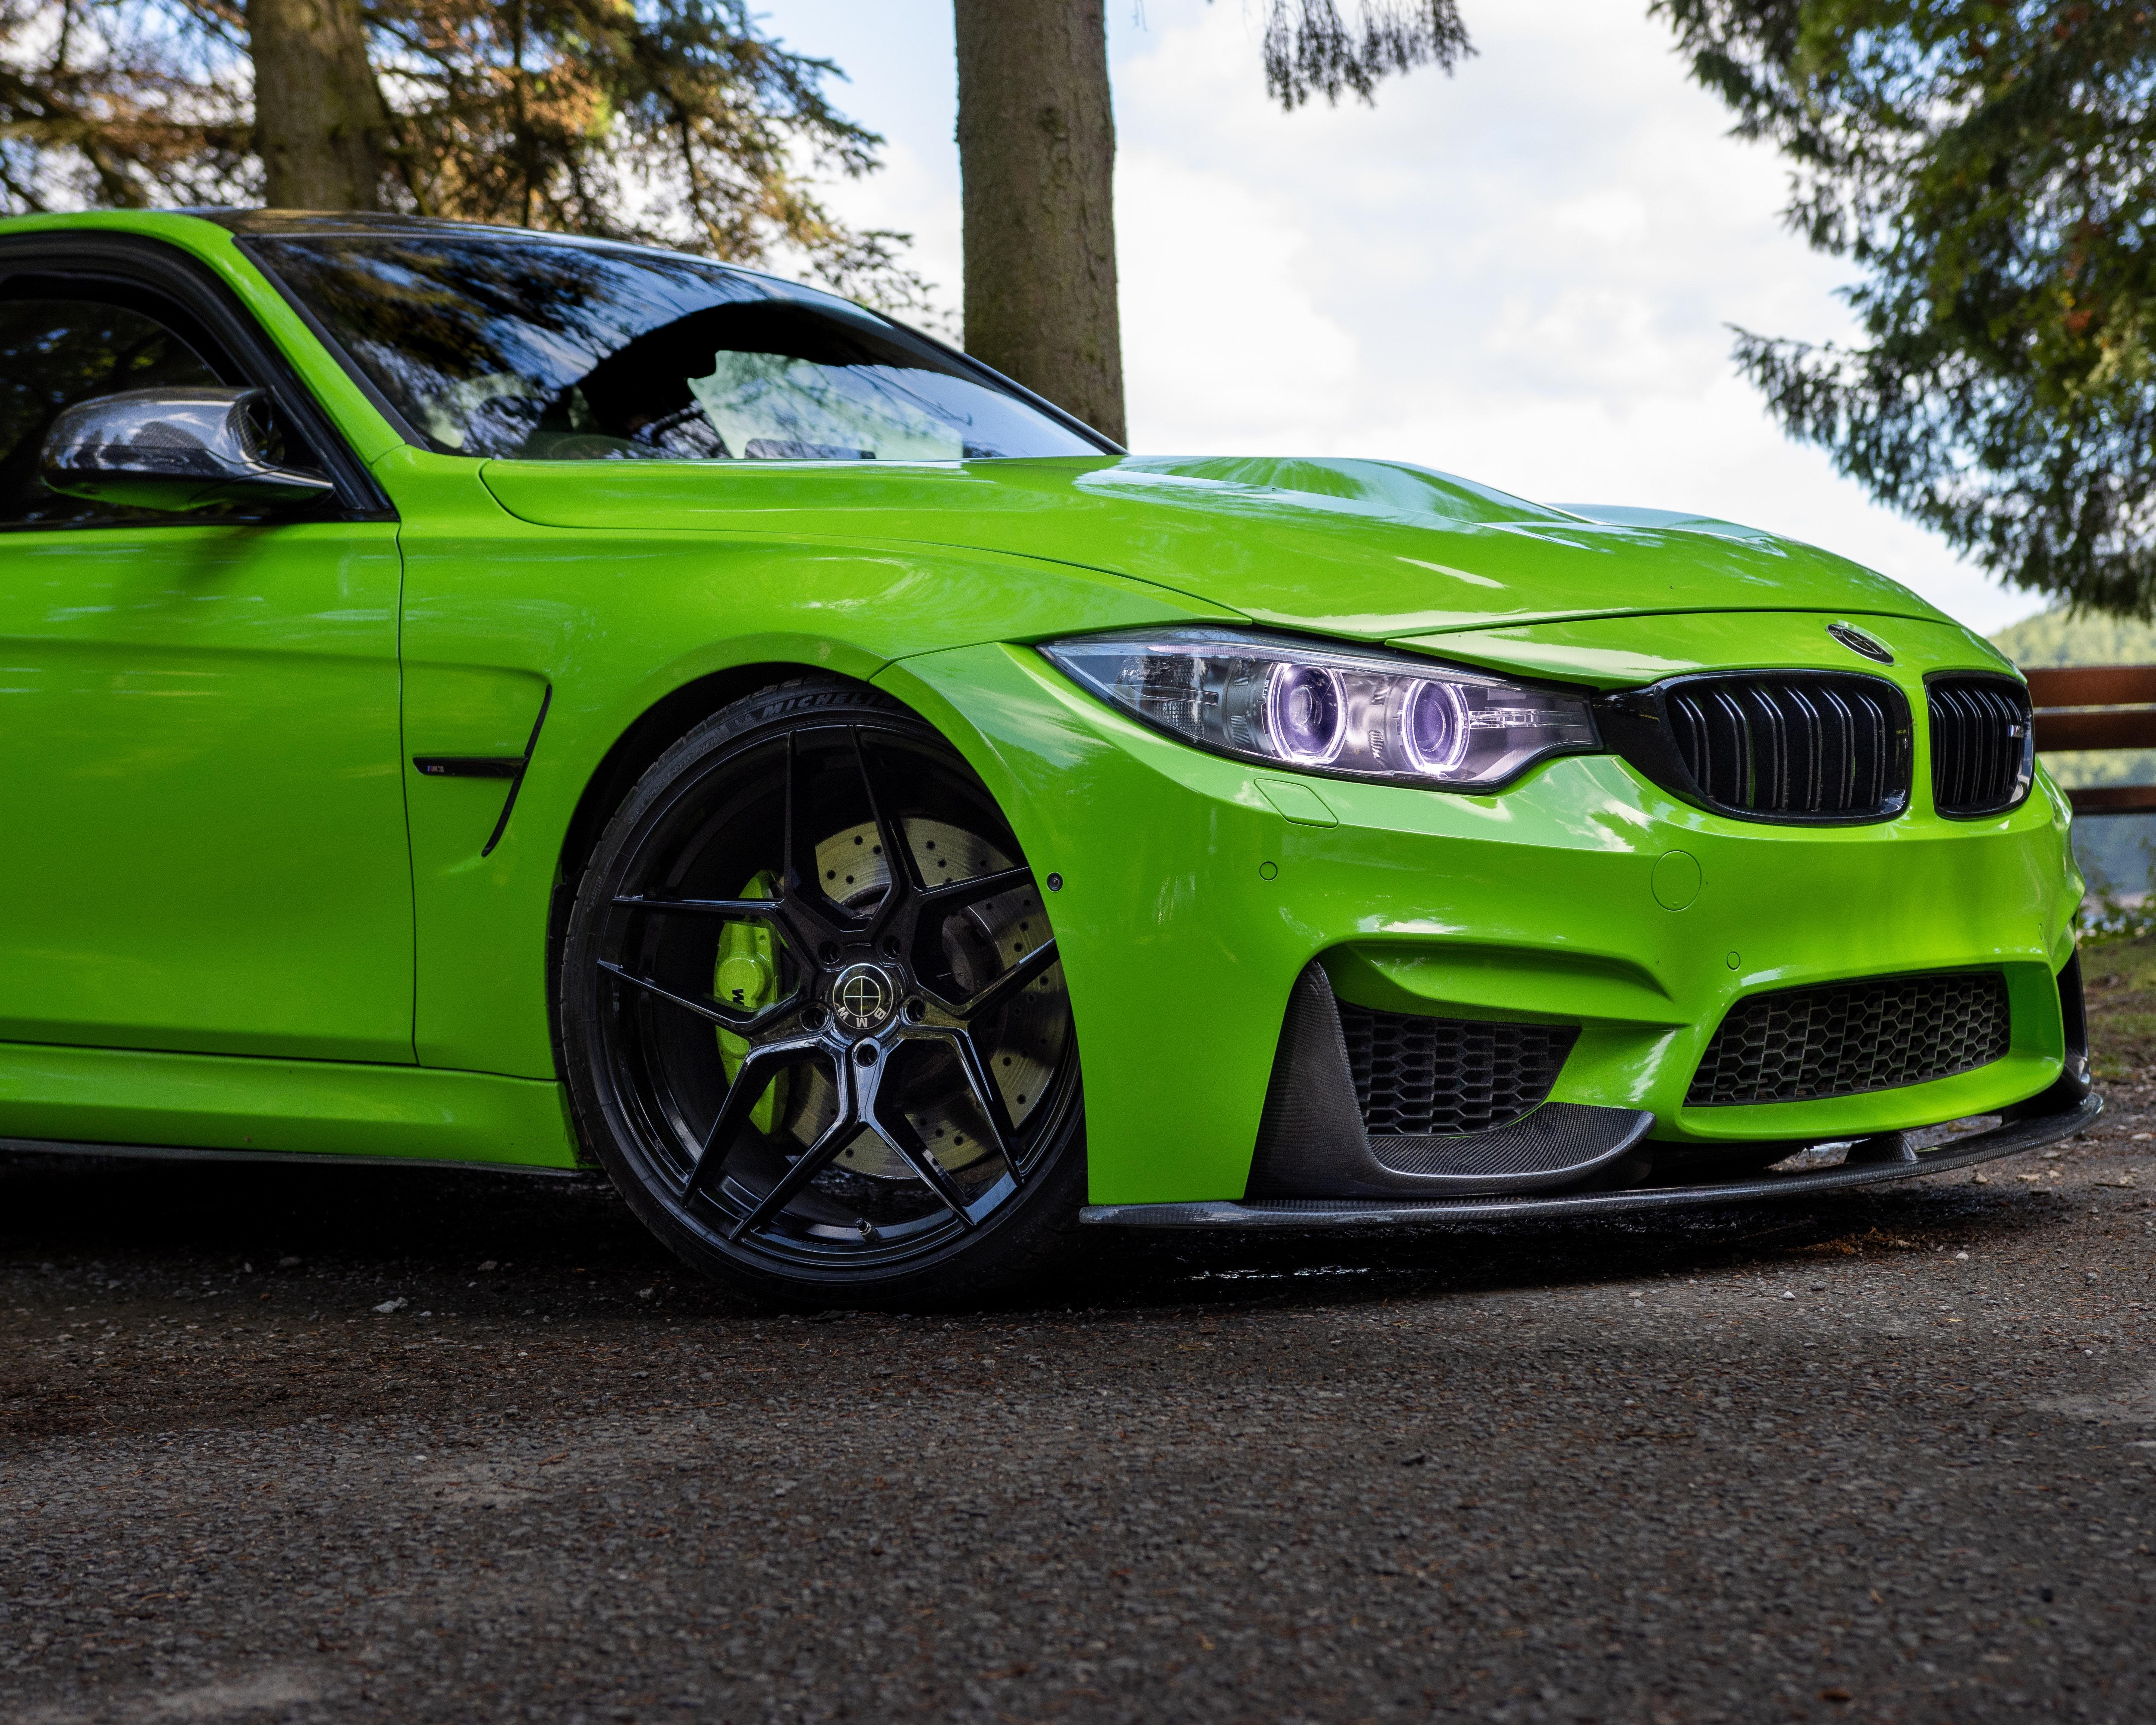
x: 1898, y: 1160
x: 1196, y: 890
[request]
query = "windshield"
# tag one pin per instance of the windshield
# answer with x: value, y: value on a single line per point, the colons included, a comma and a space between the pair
x: 561, y: 352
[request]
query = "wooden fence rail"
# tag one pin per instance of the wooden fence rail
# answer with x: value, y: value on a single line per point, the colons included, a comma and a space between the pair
x: 2098, y: 707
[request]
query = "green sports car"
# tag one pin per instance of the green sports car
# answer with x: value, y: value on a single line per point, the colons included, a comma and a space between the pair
x: 478, y: 697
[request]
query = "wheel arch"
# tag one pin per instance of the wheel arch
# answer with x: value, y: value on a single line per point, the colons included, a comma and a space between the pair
x: 665, y: 720
x: 643, y: 741
x: 1032, y: 1204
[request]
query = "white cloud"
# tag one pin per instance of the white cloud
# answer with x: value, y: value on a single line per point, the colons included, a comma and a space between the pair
x: 1524, y: 273
x: 1232, y: 344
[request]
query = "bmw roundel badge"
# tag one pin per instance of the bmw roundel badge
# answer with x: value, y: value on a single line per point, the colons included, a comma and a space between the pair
x: 1857, y: 641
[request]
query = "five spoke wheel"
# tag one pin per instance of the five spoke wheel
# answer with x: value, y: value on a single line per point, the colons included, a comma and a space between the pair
x: 826, y: 1021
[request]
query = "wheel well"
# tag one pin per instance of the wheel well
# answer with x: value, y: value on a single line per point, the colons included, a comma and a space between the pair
x: 661, y: 724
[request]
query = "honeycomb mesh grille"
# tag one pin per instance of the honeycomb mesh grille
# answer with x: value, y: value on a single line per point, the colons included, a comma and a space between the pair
x: 1981, y: 738
x: 1795, y: 746
x: 1414, y: 1074
x: 1799, y: 1045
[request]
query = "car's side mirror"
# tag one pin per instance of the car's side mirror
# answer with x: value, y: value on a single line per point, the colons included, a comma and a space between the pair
x: 175, y: 449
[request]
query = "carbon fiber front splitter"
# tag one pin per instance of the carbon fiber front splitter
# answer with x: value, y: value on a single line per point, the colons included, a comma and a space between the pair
x: 2007, y: 1140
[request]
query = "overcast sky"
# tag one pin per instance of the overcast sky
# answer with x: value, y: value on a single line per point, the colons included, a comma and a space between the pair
x: 1522, y: 273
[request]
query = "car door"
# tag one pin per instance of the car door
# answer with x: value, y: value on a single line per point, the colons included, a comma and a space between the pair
x: 205, y: 846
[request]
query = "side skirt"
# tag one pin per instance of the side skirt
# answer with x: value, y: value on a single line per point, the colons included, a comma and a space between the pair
x: 181, y: 1152
x: 131, y: 1102
x: 2007, y: 1140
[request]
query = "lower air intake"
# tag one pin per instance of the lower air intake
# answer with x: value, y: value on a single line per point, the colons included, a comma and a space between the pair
x: 1844, y: 1039
x: 1439, y: 1076
x: 1417, y: 1076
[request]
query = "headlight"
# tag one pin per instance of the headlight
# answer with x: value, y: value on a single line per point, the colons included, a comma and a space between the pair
x: 1358, y: 715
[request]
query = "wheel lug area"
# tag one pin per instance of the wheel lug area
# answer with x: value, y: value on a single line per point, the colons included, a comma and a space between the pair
x: 864, y: 1054
x: 863, y: 995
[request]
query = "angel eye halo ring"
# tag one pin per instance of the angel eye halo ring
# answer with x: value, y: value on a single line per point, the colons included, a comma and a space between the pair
x: 1343, y: 711
x: 1304, y: 716
x: 1434, y: 728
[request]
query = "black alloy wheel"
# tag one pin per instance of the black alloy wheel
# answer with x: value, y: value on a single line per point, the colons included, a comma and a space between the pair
x: 813, y: 1016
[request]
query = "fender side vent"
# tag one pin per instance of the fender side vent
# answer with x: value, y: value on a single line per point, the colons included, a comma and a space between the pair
x: 1423, y: 1076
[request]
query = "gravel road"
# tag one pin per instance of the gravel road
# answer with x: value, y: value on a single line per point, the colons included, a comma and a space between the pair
x: 297, y: 1443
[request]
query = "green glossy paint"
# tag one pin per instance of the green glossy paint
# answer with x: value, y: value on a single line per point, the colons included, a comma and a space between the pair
x: 100, y: 1096
x: 243, y: 919
x: 1535, y: 902
x: 200, y: 771
x: 1365, y: 568
x: 1620, y: 652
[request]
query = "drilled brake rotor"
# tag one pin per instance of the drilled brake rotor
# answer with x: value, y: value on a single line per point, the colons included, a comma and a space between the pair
x: 979, y: 942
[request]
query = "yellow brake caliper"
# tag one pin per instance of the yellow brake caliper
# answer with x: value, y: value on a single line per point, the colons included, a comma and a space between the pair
x: 746, y: 979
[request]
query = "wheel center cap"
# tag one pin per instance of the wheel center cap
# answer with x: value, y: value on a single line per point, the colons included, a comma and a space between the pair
x: 864, y: 997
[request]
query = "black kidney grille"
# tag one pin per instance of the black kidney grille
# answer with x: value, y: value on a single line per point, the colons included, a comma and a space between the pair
x: 1982, y: 744
x: 1437, y: 1075
x: 1844, y: 1039
x: 1792, y: 747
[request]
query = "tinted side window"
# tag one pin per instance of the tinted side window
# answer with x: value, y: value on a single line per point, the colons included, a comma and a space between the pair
x: 56, y: 352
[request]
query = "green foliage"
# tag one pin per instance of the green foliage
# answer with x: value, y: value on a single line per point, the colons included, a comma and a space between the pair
x: 669, y: 122
x: 675, y: 121
x: 1311, y: 50
x: 2103, y: 916
x: 2065, y: 636
x: 2119, y: 975
x: 119, y: 104
x: 1988, y: 167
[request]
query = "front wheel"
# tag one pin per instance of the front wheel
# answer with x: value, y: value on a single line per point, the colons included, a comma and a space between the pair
x: 813, y: 1016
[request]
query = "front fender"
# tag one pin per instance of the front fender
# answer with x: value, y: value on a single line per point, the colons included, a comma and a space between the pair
x: 497, y: 612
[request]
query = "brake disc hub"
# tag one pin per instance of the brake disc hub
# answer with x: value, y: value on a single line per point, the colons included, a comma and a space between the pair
x: 863, y: 997
x: 861, y: 994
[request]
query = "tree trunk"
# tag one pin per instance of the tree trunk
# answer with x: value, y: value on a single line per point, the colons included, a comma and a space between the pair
x: 320, y: 123
x: 1037, y: 153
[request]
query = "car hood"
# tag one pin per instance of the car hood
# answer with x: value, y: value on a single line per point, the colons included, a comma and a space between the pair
x: 1368, y: 550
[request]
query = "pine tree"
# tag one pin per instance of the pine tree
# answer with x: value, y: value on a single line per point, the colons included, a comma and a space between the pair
x: 1991, y: 171
x: 675, y: 121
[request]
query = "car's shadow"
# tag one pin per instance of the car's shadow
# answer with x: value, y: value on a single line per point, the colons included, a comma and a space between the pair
x: 346, y: 1238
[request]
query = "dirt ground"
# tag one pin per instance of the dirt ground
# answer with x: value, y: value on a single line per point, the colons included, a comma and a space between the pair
x: 344, y: 1444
